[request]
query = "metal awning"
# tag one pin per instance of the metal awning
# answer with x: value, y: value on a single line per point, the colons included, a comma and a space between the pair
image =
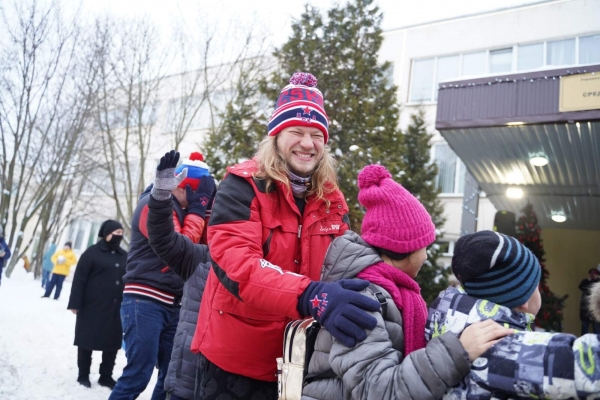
x: 473, y: 117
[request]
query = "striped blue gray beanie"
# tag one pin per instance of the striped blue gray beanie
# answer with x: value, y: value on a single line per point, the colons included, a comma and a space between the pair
x: 496, y: 267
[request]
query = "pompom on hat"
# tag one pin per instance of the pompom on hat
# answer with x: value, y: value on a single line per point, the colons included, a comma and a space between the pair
x: 395, y: 220
x: 300, y: 104
x: 196, y: 169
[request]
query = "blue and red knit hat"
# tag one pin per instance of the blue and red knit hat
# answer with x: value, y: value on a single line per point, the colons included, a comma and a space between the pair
x: 196, y: 169
x: 300, y: 104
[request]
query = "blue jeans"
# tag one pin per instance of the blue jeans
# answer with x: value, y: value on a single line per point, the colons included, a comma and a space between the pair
x: 149, y: 329
x: 45, y: 277
x: 585, y: 326
x: 56, y: 280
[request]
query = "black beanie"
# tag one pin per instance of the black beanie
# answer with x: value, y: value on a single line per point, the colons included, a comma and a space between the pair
x: 108, y: 227
x: 496, y: 267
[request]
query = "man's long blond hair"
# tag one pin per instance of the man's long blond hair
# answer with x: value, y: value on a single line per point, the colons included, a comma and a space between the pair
x: 272, y: 168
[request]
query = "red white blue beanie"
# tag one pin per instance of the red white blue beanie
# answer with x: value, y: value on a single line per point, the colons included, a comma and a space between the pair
x: 300, y: 104
x: 196, y: 169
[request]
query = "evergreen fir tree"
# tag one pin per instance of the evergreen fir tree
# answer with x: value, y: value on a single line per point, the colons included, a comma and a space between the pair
x: 241, y: 127
x: 341, y: 49
x: 550, y: 316
x: 419, y: 178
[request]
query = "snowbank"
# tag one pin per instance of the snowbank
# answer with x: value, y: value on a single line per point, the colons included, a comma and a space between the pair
x: 37, y: 358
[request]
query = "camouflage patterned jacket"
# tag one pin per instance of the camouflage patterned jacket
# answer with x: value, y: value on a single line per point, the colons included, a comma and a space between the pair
x: 524, y: 365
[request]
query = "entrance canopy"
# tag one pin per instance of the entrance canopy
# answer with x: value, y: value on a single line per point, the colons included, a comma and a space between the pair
x: 497, y: 125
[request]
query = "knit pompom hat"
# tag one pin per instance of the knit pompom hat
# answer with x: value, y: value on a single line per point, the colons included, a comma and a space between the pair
x: 196, y: 169
x: 395, y: 220
x: 300, y: 104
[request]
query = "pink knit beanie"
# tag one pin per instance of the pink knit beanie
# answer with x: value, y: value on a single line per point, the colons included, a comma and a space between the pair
x: 395, y: 219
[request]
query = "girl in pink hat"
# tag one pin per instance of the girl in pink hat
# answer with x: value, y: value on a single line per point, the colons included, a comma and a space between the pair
x: 394, y: 362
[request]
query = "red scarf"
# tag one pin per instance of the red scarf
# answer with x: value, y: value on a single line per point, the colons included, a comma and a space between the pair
x: 406, y: 294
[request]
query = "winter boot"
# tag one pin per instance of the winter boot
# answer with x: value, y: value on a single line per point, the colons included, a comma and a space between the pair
x: 107, y: 381
x: 84, y: 381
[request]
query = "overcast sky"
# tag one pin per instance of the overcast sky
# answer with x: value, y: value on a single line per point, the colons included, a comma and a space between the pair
x: 276, y: 15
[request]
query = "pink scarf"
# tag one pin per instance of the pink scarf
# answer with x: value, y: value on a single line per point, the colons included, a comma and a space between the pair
x: 406, y: 294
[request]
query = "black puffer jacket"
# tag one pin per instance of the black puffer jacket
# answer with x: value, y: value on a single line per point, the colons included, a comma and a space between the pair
x: 192, y: 263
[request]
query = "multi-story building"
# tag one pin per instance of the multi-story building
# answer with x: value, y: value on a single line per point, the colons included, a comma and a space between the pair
x: 542, y: 36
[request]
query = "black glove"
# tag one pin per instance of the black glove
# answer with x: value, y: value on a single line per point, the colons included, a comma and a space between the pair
x: 199, y: 199
x: 340, y: 309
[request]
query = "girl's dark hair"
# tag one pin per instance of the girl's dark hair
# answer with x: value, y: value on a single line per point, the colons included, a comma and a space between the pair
x: 391, y: 254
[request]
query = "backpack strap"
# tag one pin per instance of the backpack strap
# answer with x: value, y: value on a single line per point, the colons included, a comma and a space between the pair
x: 382, y: 301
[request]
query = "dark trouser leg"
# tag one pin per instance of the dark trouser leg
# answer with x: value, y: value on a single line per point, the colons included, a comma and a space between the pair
x: 213, y: 383
x: 84, y: 361
x: 45, y: 278
x: 585, y: 326
x: 143, y: 322
x: 50, y: 285
x: 59, y: 282
x: 108, y: 363
x: 165, y: 348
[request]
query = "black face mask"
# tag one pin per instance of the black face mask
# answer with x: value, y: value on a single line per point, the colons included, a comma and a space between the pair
x: 115, y: 240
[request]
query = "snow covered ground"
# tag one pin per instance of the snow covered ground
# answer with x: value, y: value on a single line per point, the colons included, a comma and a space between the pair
x: 37, y: 358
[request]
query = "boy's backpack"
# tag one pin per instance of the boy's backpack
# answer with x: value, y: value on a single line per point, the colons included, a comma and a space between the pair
x: 298, y: 346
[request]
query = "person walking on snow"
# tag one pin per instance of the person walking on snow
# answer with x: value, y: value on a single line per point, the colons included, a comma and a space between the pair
x: 63, y: 260
x: 95, y: 299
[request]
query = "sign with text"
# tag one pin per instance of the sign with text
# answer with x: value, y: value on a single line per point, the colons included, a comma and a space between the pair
x: 579, y: 92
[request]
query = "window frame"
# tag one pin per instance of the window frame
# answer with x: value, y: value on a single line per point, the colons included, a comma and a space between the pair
x: 514, y: 64
x: 458, y: 170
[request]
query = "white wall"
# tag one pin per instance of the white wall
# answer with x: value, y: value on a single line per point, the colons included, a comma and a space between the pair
x: 522, y: 25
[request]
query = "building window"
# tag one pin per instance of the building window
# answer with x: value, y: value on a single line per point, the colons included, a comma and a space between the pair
x: 530, y: 56
x: 589, y: 50
x: 561, y: 52
x: 447, y: 69
x: 501, y: 60
x: 79, y: 230
x: 451, y: 170
x: 428, y: 74
x: 422, y: 80
x: 474, y: 64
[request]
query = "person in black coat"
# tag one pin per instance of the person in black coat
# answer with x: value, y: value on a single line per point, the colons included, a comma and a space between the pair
x: 585, y: 315
x: 96, y: 295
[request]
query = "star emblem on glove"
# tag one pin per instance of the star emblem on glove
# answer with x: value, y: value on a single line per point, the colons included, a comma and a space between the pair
x: 316, y: 302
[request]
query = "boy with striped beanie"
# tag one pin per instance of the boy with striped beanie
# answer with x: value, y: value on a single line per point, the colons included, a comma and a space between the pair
x: 496, y: 267
x: 500, y: 279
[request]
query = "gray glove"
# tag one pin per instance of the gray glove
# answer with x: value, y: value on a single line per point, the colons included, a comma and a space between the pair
x: 165, y: 180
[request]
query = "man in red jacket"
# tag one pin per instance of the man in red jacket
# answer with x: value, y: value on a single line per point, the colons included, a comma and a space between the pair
x: 273, y: 218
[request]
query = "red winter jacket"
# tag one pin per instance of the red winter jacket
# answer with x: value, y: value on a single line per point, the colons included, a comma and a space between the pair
x: 264, y: 255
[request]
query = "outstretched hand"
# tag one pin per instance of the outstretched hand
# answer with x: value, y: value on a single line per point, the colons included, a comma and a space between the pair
x: 482, y: 335
x: 165, y: 180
